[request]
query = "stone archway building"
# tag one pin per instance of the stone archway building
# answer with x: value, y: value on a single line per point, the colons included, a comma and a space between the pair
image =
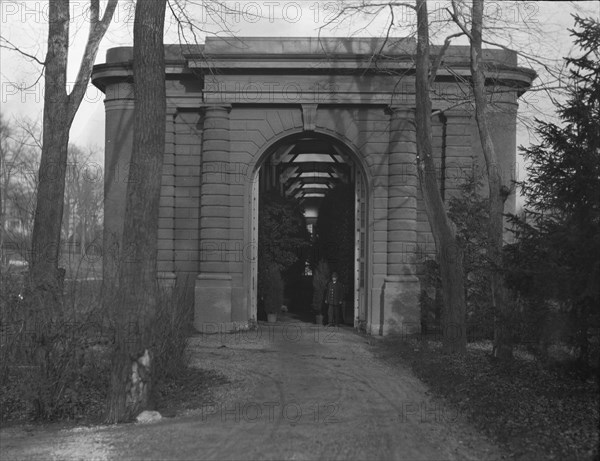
x: 230, y: 100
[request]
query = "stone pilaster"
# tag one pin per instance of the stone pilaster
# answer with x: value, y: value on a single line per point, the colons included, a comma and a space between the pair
x: 458, y: 152
x: 213, y: 293
x: 187, y: 175
x: 166, y: 211
x: 119, y: 105
x: 215, y: 193
x: 402, y: 193
x: 401, y: 286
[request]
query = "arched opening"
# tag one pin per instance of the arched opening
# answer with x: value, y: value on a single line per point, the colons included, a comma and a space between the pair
x: 319, y: 174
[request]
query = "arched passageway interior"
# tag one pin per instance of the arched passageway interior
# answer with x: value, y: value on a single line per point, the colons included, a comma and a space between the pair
x: 320, y: 176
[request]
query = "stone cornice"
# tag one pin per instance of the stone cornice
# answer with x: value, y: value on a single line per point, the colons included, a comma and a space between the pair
x: 105, y: 74
x: 303, y: 57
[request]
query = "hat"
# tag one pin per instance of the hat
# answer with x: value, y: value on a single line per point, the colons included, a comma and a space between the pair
x: 335, y: 274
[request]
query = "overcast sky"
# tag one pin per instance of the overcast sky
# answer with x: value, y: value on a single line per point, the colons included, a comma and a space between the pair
x: 536, y: 27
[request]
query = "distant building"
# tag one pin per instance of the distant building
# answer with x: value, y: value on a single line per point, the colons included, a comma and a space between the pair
x: 13, y: 222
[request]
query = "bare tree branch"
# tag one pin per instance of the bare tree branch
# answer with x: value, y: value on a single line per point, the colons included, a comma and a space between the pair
x: 97, y: 31
x: 454, y: 15
x: 440, y: 56
x: 27, y: 87
x: 10, y: 46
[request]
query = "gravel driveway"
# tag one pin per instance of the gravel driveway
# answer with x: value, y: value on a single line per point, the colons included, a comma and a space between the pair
x: 296, y: 392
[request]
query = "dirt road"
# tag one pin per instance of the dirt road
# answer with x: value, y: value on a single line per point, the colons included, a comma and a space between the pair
x: 297, y: 392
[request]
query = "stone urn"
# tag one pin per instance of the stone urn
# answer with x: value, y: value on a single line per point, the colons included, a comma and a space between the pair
x: 319, y: 319
x: 272, y: 318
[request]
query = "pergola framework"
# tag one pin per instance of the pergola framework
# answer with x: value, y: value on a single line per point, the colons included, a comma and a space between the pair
x: 306, y: 168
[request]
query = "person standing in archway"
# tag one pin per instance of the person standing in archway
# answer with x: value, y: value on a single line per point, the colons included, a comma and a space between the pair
x: 334, y: 297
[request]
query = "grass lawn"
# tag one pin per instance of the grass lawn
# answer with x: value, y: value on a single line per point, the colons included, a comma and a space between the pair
x: 534, y: 413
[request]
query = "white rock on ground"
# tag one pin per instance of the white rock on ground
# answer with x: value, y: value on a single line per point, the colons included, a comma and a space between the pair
x: 148, y: 417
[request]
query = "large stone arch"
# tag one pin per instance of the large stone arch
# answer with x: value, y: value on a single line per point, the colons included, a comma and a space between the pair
x: 251, y: 231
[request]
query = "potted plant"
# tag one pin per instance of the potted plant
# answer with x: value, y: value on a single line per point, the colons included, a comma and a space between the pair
x: 271, y: 317
x: 273, y: 293
x: 320, y: 279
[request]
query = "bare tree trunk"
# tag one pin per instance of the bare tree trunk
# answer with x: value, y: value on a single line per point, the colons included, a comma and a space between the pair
x: 51, y: 186
x: 59, y: 111
x: 5, y: 177
x: 498, y: 192
x: 137, y: 290
x: 83, y: 240
x: 450, y: 254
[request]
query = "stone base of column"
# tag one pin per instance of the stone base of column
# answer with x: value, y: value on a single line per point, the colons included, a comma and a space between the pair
x: 401, y: 310
x: 212, y: 303
x: 373, y: 329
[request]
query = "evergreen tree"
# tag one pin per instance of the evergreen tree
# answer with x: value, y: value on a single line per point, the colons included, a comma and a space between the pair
x: 558, y: 251
x: 283, y: 242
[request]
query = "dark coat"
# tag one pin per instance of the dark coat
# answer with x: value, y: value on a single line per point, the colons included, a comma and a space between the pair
x: 334, y: 293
